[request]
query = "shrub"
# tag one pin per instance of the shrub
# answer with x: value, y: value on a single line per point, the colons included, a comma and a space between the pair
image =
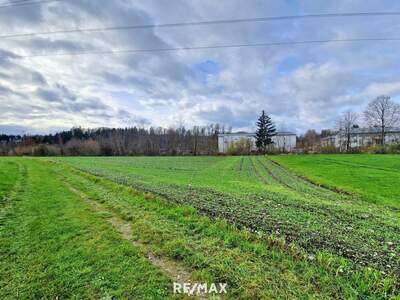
x: 394, y: 149
x: 240, y: 147
x: 378, y: 149
x: 46, y: 150
x: 82, y: 147
x: 329, y: 149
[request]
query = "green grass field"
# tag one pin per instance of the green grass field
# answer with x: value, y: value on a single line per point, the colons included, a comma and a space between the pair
x: 374, y: 177
x: 127, y: 227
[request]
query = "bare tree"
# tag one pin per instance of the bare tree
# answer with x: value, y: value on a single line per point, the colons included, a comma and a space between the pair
x: 346, y: 125
x: 201, y: 140
x: 383, y: 113
x: 310, y: 140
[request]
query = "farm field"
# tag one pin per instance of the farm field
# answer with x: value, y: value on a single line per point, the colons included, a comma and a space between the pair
x: 374, y: 177
x: 127, y: 227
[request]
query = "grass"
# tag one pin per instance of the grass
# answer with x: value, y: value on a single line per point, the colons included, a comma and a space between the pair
x: 374, y: 177
x: 9, y: 174
x: 255, y: 193
x: 245, y: 221
x: 52, y: 247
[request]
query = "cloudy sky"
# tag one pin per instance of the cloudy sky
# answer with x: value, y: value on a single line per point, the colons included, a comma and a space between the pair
x: 300, y: 86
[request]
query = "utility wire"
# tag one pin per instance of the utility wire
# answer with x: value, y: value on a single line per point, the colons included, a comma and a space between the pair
x: 24, y: 3
x: 14, y: 2
x: 199, y: 23
x: 267, y: 44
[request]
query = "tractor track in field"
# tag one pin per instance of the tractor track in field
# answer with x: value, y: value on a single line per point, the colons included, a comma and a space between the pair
x: 241, y: 164
x: 270, y: 173
x: 309, y: 187
x: 257, y: 172
x: 175, y: 271
x: 355, y: 164
x: 311, y: 182
x: 6, y: 202
x: 271, y: 215
x: 339, y: 192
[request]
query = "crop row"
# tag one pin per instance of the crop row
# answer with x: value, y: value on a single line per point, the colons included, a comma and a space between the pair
x: 365, y: 238
x: 250, y: 268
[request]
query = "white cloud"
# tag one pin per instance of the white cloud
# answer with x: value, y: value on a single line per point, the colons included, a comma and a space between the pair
x: 300, y: 86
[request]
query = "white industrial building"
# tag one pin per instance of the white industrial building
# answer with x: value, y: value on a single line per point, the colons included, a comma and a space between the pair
x: 363, y: 137
x: 283, y: 141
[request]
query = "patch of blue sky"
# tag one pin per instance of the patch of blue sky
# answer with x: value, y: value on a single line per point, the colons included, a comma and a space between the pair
x: 206, y: 69
x: 289, y: 64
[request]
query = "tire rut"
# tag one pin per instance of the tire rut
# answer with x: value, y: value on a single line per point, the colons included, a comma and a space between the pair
x: 7, y: 202
x: 298, y: 184
x: 175, y: 271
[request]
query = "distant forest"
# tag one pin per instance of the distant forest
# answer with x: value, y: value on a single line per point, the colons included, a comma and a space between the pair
x: 199, y: 140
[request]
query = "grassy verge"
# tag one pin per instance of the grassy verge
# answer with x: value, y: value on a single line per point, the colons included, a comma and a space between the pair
x: 53, y: 247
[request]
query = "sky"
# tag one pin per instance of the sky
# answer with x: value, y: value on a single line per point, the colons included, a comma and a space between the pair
x: 299, y: 86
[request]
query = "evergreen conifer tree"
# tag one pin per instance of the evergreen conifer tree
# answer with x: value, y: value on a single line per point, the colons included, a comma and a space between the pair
x: 265, y: 131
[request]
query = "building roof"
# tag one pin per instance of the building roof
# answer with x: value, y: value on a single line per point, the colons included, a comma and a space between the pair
x: 367, y: 130
x: 374, y: 130
x: 249, y: 134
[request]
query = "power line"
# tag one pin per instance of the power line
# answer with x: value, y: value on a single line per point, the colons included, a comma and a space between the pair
x: 13, y: 2
x: 199, y: 23
x: 267, y: 44
x: 24, y: 3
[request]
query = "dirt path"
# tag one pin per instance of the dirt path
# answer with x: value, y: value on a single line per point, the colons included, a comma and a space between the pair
x: 175, y: 271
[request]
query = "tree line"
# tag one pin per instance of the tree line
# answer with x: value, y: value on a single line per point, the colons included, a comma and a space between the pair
x: 198, y: 140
